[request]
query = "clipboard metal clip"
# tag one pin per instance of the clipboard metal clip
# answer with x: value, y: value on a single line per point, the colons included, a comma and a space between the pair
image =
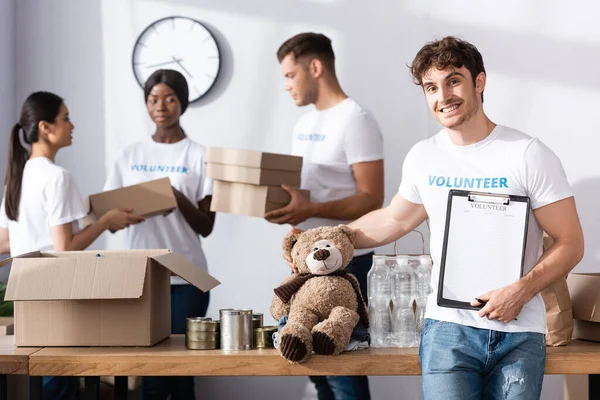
x: 489, y: 198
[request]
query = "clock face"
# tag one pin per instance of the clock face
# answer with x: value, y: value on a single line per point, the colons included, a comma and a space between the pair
x: 182, y: 44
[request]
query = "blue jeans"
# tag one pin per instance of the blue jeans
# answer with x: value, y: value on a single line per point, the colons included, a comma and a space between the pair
x: 462, y: 363
x: 186, y: 301
x: 61, y: 387
x: 348, y: 387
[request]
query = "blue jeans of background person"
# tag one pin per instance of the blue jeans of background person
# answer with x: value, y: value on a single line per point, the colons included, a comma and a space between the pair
x: 462, y: 363
x: 348, y: 387
x: 61, y: 387
x: 186, y: 301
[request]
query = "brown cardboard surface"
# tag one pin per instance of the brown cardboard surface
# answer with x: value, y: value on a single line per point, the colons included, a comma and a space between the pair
x: 585, y: 296
x: 73, y: 278
x: 256, y: 159
x: 586, y: 330
x: 250, y: 200
x: 188, y: 271
x: 121, y: 298
x: 255, y: 176
x: 148, y: 199
x: 585, y: 300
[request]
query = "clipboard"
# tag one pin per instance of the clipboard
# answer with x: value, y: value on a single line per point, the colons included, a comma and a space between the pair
x: 484, y: 245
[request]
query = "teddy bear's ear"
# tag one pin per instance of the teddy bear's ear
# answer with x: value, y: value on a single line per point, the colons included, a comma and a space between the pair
x: 289, y: 241
x: 348, y: 232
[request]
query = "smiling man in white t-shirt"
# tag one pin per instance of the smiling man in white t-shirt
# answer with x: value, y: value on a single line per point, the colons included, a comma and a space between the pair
x: 342, y: 150
x: 487, y: 353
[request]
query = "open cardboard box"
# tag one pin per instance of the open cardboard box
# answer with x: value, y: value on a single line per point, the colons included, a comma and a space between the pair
x: 96, y: 298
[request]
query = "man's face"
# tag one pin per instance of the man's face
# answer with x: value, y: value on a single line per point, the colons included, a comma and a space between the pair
x: 298, y: 81
x: 452, y: 97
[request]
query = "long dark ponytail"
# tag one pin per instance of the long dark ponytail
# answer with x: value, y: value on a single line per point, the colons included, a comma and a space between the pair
x: 38, y: 107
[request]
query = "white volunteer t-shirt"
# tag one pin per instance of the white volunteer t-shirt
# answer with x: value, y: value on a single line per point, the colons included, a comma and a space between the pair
x: 331, y: 141
x: 506, y: 162
x: 183, y: 163
x: 49, y: 197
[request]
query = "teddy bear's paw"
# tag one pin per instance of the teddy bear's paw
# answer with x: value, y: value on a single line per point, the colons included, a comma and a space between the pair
x: 323, y: 344
x: 292, y: 348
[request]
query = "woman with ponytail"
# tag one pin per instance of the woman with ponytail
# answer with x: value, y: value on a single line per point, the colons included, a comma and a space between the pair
x: 42, y: 205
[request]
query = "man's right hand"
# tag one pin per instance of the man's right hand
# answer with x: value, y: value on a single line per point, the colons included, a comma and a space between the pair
x: 120, y: 218
x: 288, y: 256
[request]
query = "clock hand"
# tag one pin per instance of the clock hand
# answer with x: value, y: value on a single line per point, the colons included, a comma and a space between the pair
x: 175, y: 60
x: 178, y: 61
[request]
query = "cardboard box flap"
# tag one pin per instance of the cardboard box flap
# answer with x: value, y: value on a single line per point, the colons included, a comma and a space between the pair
x: 76, y: 278
x: 107, y: 253
x: 7, y: 261
x: 188, y: 271
x: 251, y: 158
x: 585, y: 296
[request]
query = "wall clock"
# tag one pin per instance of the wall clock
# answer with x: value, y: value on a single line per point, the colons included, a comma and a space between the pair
x: 182, y: 44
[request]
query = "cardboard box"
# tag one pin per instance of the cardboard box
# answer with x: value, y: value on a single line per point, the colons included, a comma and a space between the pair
x: 585, y: 300
x: 250, y: 200
x: 148, y: 199
x: 255, y: 159
x: 91, y: 298
x: 255, y: 176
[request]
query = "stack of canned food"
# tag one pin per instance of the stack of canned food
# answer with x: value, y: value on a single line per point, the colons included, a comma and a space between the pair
x: 236, y: 330
x: 201, y: 333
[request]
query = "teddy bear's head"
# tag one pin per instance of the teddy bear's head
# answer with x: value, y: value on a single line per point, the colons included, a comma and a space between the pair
x: 322, y: 250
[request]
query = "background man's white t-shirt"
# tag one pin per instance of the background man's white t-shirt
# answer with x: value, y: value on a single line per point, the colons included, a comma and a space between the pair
x: 330, y: 142
x: 183, y: 164
x: 506, y: 162
x: 49, y: 197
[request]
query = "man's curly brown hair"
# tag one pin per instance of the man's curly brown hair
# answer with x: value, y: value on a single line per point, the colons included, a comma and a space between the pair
x: 447, y: 52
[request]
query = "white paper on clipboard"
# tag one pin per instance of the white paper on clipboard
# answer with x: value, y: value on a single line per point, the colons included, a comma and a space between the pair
x: 484, y: 245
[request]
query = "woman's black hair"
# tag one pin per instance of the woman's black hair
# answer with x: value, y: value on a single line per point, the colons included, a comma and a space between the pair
x: 38, y: 107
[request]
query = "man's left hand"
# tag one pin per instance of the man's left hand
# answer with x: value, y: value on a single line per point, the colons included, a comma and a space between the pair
x: 503, y: 304
x: 298, y: 210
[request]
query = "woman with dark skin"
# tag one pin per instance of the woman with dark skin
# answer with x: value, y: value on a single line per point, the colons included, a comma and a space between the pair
x: 170, y: 153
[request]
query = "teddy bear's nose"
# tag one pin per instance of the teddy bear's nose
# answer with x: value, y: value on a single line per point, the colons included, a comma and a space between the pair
x: 321, y: 255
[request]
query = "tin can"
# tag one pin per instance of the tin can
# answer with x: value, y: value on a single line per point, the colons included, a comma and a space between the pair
x: 201, y: 345
x: 263, y: 337
x: 257, y: 321
x: 202, y: 336
x: 201, y: 324
x: 201, y: 333
x: 236, y: 329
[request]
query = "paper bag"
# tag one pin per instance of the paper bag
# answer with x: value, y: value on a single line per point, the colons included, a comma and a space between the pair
x: 559, y: 314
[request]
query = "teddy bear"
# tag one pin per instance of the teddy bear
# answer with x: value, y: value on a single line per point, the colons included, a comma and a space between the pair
x: 323, y: 302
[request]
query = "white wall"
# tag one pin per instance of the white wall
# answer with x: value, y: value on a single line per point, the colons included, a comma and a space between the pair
x: 8, y: 110
x: 540, y: 58
x: 7, y: 76
x: 60, y: 49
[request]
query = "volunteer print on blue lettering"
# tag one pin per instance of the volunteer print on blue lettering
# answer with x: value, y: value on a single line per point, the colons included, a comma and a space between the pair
x: 468, y: 183
x: 175, y: 169
x: 312, y: 137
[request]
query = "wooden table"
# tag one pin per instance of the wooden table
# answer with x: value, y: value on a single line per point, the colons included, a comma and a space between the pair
x: 13, y: 361
x: 171, y: 358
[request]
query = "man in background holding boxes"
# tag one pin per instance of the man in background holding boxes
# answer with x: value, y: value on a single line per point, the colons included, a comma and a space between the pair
x: 342, y: 149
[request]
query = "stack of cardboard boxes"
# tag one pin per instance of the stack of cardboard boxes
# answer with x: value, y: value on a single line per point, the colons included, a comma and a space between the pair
x: 249, y: 182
